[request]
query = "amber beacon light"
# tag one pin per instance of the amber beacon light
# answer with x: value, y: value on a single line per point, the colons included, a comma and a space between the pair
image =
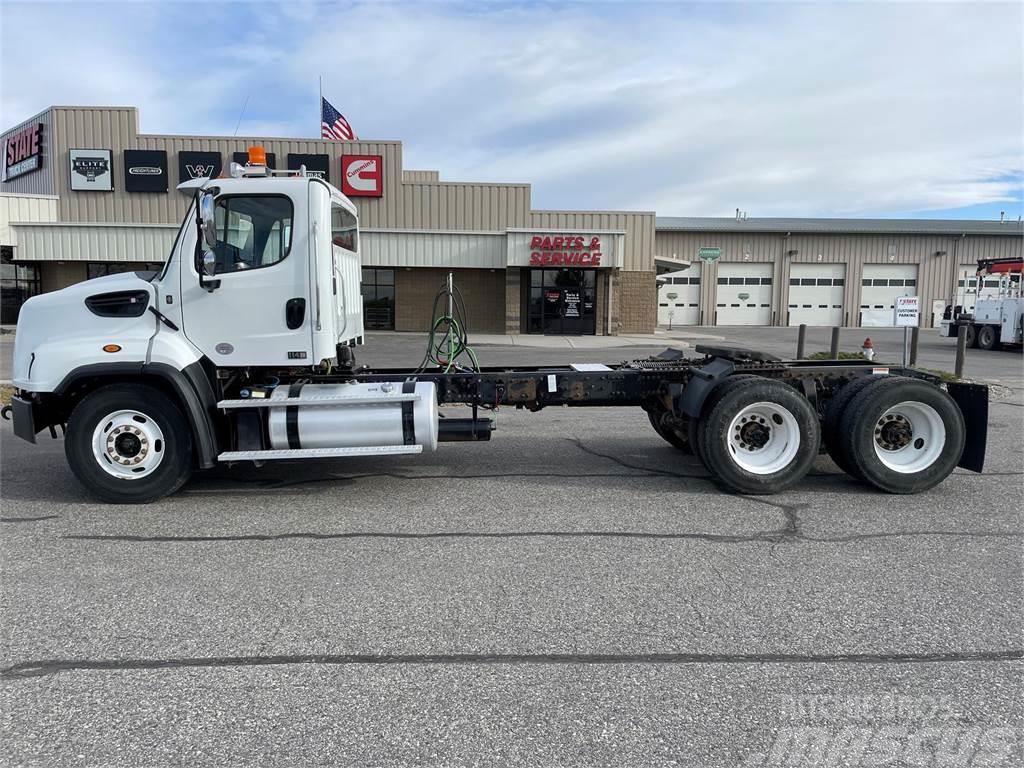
x: 257, y: 156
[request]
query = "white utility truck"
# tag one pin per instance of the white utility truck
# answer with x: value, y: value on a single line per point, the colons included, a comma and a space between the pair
x: 994, y: 320
x: 241, y: 350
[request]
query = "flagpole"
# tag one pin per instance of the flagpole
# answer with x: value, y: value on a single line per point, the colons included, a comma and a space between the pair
x: 320, y: 104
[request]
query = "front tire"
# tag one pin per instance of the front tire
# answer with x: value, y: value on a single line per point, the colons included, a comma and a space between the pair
x: 903, y: 435
x: 667, y: 432
x: 988, y: 337
x: 760, y: 437
x: 129, y: 444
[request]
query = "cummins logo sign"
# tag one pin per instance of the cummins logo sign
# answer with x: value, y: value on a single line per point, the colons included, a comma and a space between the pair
x: 145, y: 170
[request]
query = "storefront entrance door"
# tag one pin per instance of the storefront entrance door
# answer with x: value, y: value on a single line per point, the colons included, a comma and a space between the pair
x: 562, y: 302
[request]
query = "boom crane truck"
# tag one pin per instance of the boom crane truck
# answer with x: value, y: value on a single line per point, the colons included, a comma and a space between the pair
x: 242, y: 350
x: 995, y: 319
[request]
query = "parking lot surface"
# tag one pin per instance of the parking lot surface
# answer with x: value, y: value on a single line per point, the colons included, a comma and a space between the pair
x: 574, y: 593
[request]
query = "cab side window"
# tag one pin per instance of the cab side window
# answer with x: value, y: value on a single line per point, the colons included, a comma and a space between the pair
x: 344, y: 229
x: 252, y: 232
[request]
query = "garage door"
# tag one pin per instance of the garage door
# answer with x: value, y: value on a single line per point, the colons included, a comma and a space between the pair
x: 816, y: 294
x: 880, y: 286
x: 743, y: 295
x: 679, y: 297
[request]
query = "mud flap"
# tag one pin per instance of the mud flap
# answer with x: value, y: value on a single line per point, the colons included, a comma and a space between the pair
x: 972, y: 400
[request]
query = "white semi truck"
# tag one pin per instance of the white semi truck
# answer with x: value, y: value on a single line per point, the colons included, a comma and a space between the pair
x: 241, y: 350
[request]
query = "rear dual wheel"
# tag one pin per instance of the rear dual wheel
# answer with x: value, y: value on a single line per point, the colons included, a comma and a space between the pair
x: 900, y: 435
x: 757, y: 435
x: 988, y: 337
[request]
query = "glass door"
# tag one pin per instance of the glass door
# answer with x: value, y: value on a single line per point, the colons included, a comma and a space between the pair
x: 562, y: 302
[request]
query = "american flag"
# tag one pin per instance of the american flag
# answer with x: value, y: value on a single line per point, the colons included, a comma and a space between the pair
x: 333, y: 125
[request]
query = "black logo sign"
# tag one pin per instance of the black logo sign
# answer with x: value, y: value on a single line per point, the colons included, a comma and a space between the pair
x: 90, y: 167
x: 198, y: 165
x: 316, y: 165
x: 145, y: 170
x: 243, y: 157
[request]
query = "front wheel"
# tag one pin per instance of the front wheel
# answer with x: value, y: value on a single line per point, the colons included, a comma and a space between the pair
x: 129, y: 444
x: 760, y: 437
x: 661, y: 421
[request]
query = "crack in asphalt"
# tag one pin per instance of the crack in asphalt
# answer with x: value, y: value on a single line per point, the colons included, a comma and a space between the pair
x: 28, y: 519
x: 28, y: 669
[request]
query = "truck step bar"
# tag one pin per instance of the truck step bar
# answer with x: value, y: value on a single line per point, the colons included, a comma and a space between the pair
x: 319, y: 453
x: 307, y: 400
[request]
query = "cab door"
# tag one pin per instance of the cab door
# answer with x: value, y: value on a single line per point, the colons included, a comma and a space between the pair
x: 257, y: 312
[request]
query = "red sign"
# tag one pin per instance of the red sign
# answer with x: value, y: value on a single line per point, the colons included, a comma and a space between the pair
x: 565, y: 250
x: 23, y: 151
x: 362, y: 175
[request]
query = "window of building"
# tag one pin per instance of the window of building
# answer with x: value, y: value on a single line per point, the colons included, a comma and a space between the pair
x: 18, y: 283
x: 378, y: 287
x: 252, y: 231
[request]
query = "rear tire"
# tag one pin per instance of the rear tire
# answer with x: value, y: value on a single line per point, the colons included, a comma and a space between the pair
x: 834, y: 411
x: 760, y: 437
x: 903, y: 435
x: 988, y: 337
x: 972, y: 336
x: 666, y: 432
x: 693, y: 425
x: 129, y: 444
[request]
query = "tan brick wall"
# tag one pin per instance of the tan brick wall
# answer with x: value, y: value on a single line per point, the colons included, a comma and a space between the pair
x: 482, y: 289
x: 635, y: 302
x: 515, y: 283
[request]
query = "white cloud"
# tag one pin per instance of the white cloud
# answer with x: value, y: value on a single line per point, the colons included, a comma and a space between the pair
x: 776, y: 108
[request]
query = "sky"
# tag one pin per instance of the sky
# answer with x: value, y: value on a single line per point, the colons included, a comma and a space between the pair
x: 779, y: 109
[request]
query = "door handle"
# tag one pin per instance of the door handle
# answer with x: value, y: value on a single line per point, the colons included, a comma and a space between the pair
x: 294, y: 313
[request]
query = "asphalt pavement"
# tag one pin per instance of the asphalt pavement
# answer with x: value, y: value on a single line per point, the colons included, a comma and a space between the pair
x: 574, y: 593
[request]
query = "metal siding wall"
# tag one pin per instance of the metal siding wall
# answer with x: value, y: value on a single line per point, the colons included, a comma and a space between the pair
x: 38, y: 182
x: 24, y: 208
x: 69, y: 242
x: 453, y: 250
x: 638, y: 253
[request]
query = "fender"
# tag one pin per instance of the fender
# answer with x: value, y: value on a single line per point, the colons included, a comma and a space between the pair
x: 190, y: 384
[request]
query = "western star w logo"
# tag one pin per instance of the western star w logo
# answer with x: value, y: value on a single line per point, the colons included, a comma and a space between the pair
x: 90, y: 167
x: 199, y: 170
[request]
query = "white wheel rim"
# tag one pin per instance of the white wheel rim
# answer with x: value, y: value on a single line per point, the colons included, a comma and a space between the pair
x: 764, y: 438
x: 909, y: 437
x: 128, y: 444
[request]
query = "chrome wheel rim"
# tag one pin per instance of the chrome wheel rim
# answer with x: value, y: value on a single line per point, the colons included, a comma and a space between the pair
x: 128, y: 444
x: 764, y: 438
x: 909, y: 437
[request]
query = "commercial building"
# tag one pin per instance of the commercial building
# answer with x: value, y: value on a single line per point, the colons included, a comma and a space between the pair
x: 84, y: 193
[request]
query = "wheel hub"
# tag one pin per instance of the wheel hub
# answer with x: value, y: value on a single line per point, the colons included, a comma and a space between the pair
x: 754, y: 434
x: 893, y: 432
x: 128, y: 444
x: 763, y: 438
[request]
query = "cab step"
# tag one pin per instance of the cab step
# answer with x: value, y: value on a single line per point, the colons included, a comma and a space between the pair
x: 319, y: 453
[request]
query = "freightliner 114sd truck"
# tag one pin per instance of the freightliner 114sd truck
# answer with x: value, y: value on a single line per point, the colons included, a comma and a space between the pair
x: 242, y: 350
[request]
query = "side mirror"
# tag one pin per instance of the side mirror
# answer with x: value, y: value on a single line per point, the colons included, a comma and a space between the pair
x: 208, y: 219
x: 209, y: 263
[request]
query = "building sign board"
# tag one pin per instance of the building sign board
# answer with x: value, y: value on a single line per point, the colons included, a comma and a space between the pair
x: 316, y: 165
x: 243, y: 157
x: 91, y: 170
x: 362, y: 175
x: 145, y: 170
x: 709, y: 254
x: 907, y: 312
x: 198, y: 165
x: 565, y: 250
x: 23, y: 152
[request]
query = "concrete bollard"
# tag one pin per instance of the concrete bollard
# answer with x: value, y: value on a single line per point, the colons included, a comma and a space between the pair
x: 834, y: 351
x: 801, y: 341
x: 961, y: 351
